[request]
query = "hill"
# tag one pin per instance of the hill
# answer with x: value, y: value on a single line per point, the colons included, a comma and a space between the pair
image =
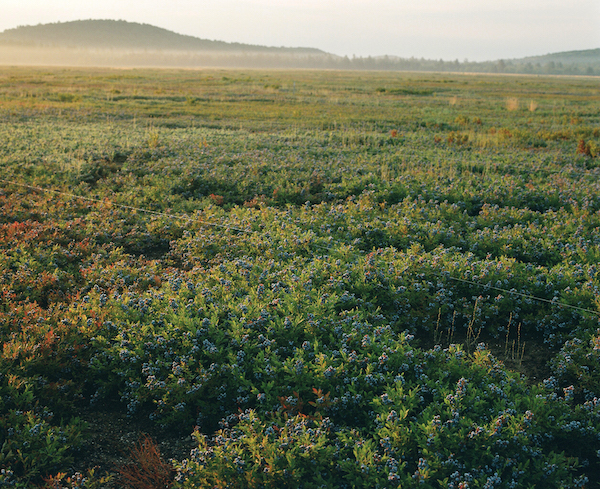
x: 573, y: 57
x: 584, y: 62
x: 119, y: 43
x: 119, y: 34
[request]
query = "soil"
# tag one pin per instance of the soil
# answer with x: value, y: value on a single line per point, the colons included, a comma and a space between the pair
x: 530, y: 360
x: 112, y: 435
x: 528, y: 356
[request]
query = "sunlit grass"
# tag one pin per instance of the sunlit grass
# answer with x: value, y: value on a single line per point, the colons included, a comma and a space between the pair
x: 302, y: 265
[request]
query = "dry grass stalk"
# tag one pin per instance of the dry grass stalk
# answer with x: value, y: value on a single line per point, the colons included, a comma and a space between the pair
x: 512, y: 104
x: 533, y: 105
x: 451, y: 331
x: 436, y: 335
x: 472, y: 338
x: 507, y: 335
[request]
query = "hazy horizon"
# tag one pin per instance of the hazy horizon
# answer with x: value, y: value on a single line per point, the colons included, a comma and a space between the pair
x: 466, y: 29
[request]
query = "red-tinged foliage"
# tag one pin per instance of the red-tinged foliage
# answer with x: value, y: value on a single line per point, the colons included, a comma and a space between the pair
x: 54, y: 481
x: 147, y: 469
x: 217, y: 199
x: 583, y: 148
x: 588, y: 148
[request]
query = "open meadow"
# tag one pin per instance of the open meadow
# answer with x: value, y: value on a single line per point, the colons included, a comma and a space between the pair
x: 298, y: 279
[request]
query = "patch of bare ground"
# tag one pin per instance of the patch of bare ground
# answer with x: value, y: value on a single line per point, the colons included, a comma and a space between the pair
x: 529, y: 359
x: 527, y: 355
x: 114, y: 439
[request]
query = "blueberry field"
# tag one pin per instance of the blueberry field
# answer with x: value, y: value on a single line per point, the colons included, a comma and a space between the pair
x: 317, y: 279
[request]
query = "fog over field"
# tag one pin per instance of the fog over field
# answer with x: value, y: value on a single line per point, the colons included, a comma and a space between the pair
x: 478, y: 30
x: 110, y: 43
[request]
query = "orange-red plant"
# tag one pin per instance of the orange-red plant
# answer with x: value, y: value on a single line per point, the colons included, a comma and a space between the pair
x: 586, y: 149
x: 147, y: 469
x: 217, y: 199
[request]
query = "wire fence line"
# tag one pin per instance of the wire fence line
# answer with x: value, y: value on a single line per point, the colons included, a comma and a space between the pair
x: 128, y: 207
x: 250, y: 232
x: 525, y: 296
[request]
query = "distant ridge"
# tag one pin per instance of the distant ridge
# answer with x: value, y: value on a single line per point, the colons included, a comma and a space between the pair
x: 120, y: 34
x: 585, y: 56
x: 118, y: 43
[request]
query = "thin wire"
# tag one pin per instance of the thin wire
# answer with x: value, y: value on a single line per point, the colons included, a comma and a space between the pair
x: 515, y: 171
x: 521, y: 294
x: 189, y: 219
x: 124, y: 206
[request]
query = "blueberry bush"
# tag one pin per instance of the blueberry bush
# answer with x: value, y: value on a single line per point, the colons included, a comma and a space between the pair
x: 340, y: 285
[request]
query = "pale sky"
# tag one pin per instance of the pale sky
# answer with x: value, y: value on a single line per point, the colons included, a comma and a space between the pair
x: 449, y: 29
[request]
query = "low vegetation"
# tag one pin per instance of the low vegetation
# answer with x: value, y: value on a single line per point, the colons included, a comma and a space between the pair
x: 327, y: 279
